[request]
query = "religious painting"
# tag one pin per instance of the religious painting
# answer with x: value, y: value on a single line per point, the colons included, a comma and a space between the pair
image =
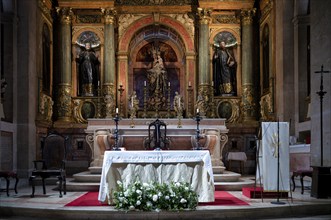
x: 88, y: 63
x: 224, y: 64
x: 225, y: 110
x: 88, y: 110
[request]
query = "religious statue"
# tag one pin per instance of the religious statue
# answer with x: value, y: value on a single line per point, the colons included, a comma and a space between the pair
x: 178, y: 104
x: 202, y: 102
x: 224, y: 70
x: 133, y: 104
x: 157, y: 75
x: 110, y: 104
x: 88, y: 70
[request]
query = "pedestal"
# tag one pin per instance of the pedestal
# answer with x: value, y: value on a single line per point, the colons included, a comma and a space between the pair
x: 321, y: 182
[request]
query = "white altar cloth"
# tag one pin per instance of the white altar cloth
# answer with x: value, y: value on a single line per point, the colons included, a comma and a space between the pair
x: 166, y: 166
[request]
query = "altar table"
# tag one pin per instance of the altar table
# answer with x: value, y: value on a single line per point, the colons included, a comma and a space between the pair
x: 194, y: 167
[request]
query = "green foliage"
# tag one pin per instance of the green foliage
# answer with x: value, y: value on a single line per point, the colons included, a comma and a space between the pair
x: 154, y: 196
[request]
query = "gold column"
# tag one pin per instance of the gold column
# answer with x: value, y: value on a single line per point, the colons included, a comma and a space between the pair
x: 204, y: 77
x: 64, y: 87
x: 248, y: 92
x: 109, y: 62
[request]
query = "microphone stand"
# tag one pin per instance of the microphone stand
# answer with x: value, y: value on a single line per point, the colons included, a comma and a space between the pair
x: 278, y: 156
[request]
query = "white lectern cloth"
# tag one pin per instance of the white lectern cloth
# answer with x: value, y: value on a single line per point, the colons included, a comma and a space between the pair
x: 270, y: 132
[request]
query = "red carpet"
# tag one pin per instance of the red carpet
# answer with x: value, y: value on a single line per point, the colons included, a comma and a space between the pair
x: 256, y: 192
x: 221, y: 198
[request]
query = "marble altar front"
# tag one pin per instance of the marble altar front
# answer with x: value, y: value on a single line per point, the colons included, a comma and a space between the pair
x: 132, y: 134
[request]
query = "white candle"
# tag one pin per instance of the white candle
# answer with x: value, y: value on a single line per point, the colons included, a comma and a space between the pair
x: 116, y: 110
x: 197, y: 110
x: 169, y: 84
x: 144, y: 83
x: 189, y: 83
x: 98, y: 83
x: 121, y: 84
x: 212, y: 83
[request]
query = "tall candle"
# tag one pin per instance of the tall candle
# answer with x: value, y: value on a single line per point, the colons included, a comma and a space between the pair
x: 197, y: 110
x: 144, y: 83
x: 189, y: 83
x: 169, y: 84
x: 116, y: 110
x: 212, y: 83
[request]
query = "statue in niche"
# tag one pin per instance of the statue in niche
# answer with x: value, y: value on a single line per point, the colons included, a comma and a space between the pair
x: 157, y: 75
x: 224, y: 65
x: 88, y: 70
x: 133, y: 104
x: 178, y: 104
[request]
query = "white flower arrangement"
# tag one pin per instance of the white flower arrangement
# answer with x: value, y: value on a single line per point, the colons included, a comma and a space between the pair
x: 154, y: 196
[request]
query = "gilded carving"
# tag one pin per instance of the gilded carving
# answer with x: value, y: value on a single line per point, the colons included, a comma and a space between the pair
x: 109, y: 15
x: 65, y: 14
x: 266, y: 107
x: 46, y: 107
x: 155, y: 2
x: 247, y: 16
x: 266, y: 10
x: 76, y: 103
x: 204, y: 15
x: 226, y: 19
x: 125, y: 20
x: 64, y: 101
x: 45, y: 10
x: 186, y: 20
x: 229, y: 109
x: 248, y: 105
x: 88, y: 18
x: 202, y: 103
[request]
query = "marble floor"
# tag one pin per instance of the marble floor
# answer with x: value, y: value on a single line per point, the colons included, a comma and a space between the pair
x: 50, y: 206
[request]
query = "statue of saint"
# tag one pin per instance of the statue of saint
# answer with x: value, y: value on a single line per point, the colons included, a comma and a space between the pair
x: 157, y: 75
x: 133, y: 104
x: 224, y: 71
x: 88, y: 70
x: 178, y: 104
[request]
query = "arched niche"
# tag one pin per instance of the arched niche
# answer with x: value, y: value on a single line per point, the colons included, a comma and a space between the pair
x: 79, y: 37
x: 171, y: 49
x: 232, y: 39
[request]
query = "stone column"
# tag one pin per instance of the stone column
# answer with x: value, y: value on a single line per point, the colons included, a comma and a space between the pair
x: 64, y: 87
x: 109, y: 76
x: 203, y: 73
x: 248, y: 87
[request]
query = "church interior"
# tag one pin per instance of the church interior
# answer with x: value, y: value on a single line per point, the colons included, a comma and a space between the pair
x: 104, y: 73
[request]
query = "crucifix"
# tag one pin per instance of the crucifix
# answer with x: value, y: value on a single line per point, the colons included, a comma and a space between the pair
x: 321, y: 93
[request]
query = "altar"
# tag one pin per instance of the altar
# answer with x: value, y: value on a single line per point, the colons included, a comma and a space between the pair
x: 132, y: 134
x: 193, y: 167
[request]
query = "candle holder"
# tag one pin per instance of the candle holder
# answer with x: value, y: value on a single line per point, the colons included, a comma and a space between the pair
x: 169, y: 105
x: 198, y: 146
x: 212, y: 102
x: 189, y: 104
x: 116, y: 119
x: 121, y: 90
x: 99, y: 102
x: 145, y: 102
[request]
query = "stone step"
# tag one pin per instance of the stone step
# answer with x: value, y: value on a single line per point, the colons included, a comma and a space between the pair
x: 87, y: 176
x: 95, y: 170
x: 234, y: 186
x: 227, y: 176
x: 81, y: 186
x: 218, y: 169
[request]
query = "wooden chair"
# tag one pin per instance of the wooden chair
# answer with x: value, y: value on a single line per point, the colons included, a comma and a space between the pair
x: 302, y: 174
x: 52, y: 164
x: 7, y: 175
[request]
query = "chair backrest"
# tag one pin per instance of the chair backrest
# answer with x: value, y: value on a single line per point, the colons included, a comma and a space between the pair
x: 157, y: 136
x: 54, y: 150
